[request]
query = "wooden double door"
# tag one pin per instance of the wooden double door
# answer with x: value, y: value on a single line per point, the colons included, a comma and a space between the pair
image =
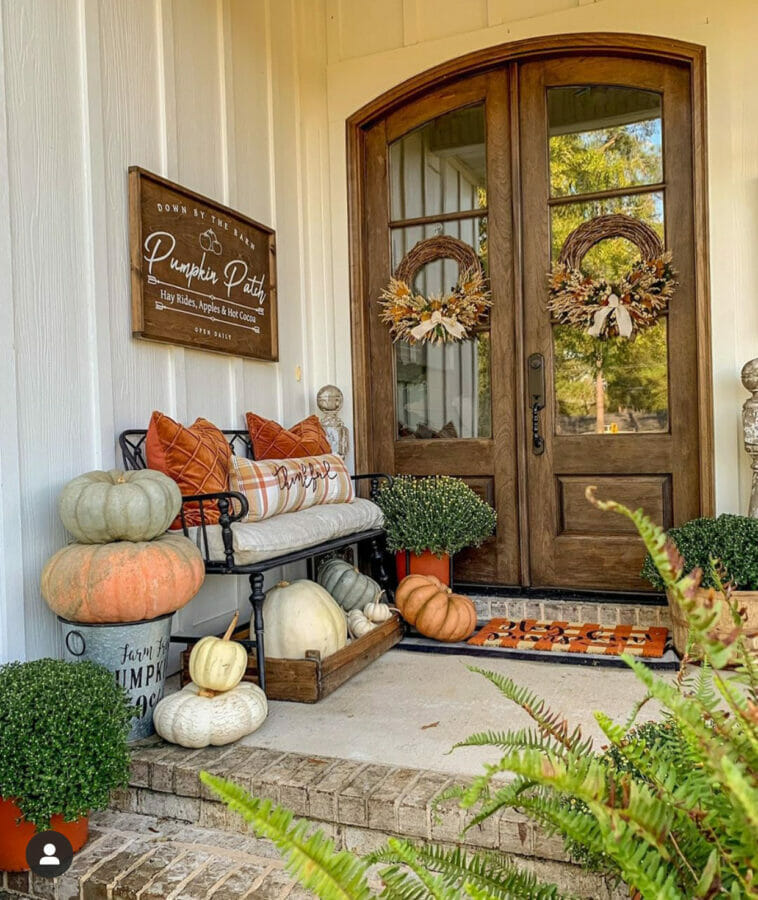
x: 528, y: 411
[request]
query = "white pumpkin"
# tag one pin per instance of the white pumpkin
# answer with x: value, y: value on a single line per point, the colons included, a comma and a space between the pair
x: 218, y: 664
x: 358, y: 624
x: 302, y: 616
x: 102, y: 507
x: 377, y: 612
x: 191, y: 720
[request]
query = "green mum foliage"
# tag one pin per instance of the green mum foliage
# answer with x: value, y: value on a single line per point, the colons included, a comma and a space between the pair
x: 670, y: 808
x: 63, y: 729
x: 730, y: 539
x: 440, y: 513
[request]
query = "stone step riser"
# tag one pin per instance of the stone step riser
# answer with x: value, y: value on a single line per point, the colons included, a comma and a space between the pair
x: 358, y: 805
x: 545, y: 610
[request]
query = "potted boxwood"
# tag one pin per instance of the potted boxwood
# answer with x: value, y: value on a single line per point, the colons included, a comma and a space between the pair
x: 731, y: 541
x: 430, y: 519
x: 63, y: 748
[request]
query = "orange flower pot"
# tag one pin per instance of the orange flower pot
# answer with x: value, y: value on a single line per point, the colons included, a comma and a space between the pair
x: 15, y: 835
x: 423, y: 564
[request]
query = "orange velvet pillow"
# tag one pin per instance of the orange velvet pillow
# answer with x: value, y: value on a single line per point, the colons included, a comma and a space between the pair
x: 271, y: 441
x: 197, y: 458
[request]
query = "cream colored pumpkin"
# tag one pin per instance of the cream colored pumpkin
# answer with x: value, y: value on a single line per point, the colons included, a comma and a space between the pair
x: 218, y: 664
x: 377, y: 612
x: 358, y: 623
x: 191, y: 720
x: 102, y: 507
x: 302, y: 616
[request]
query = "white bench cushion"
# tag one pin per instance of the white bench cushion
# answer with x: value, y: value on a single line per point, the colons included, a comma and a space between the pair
x: 282, y: 534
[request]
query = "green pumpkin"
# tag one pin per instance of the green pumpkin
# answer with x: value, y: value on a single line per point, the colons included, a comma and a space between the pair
x: 102, y: 507
x: 349, y: 587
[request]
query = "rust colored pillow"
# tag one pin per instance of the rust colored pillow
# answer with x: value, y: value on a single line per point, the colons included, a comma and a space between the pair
x: 197, y: 458
x: 271, y: 441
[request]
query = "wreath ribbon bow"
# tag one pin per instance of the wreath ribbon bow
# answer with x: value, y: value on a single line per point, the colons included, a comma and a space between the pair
x: 616, y: 309
x: 452, y: 326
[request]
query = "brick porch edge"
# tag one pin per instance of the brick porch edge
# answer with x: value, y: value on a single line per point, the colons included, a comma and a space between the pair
x: 357, y: 804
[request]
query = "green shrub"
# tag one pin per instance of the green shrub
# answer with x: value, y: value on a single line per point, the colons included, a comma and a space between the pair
x: 439, y: 513
x: 63, y: 729
x: 730, y: 539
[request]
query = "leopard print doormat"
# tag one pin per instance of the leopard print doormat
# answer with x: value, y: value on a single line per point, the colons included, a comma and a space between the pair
x: 572, y: 637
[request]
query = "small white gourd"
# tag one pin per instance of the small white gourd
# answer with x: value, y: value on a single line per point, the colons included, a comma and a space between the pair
x: 377, y: 612
x: 191, y: 720
x: 358, y: 624
x: 218, y: 664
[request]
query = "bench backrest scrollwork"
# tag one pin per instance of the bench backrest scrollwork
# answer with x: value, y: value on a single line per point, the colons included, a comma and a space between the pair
x: 132, y: 444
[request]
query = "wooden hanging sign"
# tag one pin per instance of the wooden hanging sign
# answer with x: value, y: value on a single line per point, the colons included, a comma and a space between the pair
x: 203, y: 275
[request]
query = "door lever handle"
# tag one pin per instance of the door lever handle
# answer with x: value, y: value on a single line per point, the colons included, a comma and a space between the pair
x: 536, y: 388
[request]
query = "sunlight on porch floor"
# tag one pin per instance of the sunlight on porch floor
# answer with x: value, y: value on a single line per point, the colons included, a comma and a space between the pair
x: 408, y: 709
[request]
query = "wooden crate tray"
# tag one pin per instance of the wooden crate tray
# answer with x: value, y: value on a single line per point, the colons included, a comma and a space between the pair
x: 309, y: 680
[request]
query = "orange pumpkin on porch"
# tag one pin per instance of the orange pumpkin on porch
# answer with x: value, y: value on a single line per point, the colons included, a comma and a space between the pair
x: 124, y: 581
x: 434, y: 610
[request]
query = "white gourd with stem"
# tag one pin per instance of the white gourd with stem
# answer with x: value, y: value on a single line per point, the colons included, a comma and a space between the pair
x: 218, y: 664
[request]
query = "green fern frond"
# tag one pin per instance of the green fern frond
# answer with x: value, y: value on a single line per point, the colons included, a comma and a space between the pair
x: 486, y: 874
x: 311, y: 859
x: 551, y: 724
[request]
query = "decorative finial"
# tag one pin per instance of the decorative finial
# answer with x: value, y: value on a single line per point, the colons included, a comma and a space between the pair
x: 329, y: 401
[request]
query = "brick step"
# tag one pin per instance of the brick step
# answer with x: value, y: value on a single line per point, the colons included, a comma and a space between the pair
x: 131, y: 856
x: 608, y: 614
x: 358, y: 804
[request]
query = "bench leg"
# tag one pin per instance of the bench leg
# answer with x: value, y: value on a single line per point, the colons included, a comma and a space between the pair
x: 256, y: 599
x: 378, y: 568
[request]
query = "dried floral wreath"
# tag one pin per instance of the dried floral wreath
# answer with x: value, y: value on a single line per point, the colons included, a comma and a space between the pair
x: 436, y: 319
x: 598, y: 307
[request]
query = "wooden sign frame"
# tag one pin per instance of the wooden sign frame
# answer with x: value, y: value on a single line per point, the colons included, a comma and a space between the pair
x: 203, y: 275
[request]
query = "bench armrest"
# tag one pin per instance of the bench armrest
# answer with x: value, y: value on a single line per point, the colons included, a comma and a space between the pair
x: 375, y: 479
x: 225, y: 501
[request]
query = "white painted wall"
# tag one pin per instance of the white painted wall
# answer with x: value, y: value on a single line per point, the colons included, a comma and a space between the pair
x: 224, y: 96
x: 246, y: 100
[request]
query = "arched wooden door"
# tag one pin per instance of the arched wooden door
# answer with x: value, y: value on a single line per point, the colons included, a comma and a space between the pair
x: 510, y: 160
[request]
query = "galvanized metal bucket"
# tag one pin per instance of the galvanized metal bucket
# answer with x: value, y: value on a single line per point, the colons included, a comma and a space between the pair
x: 136, y: 653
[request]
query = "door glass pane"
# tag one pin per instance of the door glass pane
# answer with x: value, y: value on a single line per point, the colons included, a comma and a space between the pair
x: 603, y: 137
x: 612, y: 257
x: 443, y: 390
x: 440, y: 167
x: 442, y: 274
x: 616, y: 386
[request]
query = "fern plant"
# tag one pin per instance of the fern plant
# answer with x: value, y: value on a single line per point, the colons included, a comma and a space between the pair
x: 675, y: 819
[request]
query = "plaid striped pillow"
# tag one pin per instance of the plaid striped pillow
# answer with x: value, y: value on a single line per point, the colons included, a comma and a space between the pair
x: 274, y: 486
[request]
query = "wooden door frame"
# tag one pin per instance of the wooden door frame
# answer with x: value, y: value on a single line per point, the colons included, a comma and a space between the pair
x: 480, y: 61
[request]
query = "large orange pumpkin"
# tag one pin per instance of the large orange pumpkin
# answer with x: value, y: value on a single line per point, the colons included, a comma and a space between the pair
x: 124, y: 581
x: 433, y: 609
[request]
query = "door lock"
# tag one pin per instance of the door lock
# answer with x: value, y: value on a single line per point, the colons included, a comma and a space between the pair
x: 535, y: 368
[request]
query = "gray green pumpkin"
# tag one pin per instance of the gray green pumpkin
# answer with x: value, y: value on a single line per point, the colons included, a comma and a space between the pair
x: 349, y: 587
x: 101, y: 507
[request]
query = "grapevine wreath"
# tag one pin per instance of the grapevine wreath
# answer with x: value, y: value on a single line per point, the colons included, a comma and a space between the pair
x: 436, y: 319
x: 597, y: 306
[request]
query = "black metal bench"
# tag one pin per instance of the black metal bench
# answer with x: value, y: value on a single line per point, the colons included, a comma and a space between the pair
x: 232, y: 507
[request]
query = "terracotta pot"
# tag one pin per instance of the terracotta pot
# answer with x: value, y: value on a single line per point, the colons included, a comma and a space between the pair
x: 15, y: 836
x: 425, y: 563
x: 724, y: 627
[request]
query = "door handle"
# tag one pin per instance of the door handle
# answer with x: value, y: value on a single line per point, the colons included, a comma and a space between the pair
x: 535, y: 381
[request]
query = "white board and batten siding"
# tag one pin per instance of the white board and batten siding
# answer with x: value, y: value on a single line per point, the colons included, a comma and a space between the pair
x: 209, y: 94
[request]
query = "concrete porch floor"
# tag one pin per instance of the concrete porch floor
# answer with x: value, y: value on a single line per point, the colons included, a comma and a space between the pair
x: 409, y: 709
